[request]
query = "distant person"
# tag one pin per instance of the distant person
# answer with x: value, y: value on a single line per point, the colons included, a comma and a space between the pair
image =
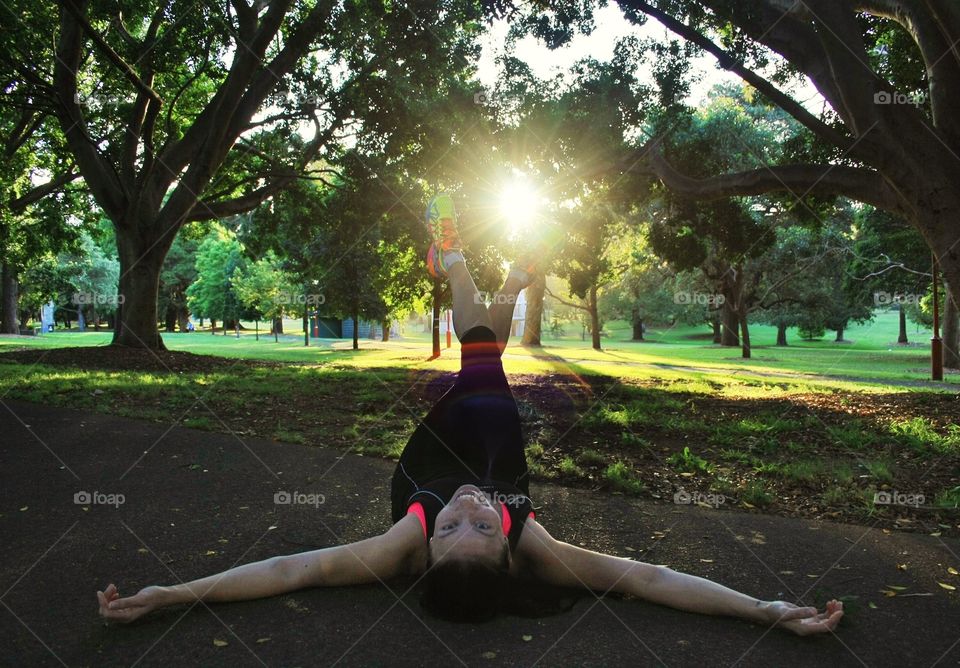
x: 463, y: 518
x: 189, y: 325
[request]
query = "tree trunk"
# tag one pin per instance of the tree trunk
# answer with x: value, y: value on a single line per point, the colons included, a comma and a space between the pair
x: 745, y: 335
x: 435, y: 326
x: 278, y: 326
x: 717, y: 334
x: 81, y: 321
x: 533, y: 318
x: 903, y: 326
x: 356, y: 332
x: 170, y: 318
x: 637, y: 323
x: 306, y: 325
x: 213, y: 325
x: 951, y: 331
x: 839, y: 338
x: 730, y: 323
x: 781, y: 334
x: 385, y: 334
x: 183, y: 318
x: 141, y: 260
x: 11, y: 288
x: 594, y: 318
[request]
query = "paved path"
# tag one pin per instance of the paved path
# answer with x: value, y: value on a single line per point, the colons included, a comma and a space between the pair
x: 198, y: 502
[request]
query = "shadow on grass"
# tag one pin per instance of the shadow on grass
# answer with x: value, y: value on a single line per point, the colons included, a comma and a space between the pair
x: 813, y: 454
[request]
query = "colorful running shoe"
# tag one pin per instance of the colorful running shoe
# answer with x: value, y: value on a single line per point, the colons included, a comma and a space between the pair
x: 441, y: 222
x: 437, y: 261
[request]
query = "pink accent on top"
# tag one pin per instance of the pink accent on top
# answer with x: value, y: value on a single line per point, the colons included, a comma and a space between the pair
x: 417, y: 509
x: 506, y: 520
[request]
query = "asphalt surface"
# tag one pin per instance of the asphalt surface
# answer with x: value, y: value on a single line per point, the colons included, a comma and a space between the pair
x: 195, y: 503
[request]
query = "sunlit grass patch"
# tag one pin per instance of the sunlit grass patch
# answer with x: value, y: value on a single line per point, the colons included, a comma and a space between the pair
x: 622, y: 478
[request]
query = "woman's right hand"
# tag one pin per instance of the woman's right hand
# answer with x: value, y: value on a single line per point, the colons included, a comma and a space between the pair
x: 127, y: 609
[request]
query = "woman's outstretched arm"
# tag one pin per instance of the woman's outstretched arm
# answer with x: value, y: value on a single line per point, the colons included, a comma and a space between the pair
x: 570, y: 566
x: 379, y: 558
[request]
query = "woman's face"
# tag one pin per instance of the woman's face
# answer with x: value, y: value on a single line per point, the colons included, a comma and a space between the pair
x: 468, y: 527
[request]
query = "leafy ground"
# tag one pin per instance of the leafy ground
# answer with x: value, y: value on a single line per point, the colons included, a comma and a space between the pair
x: 787, y: 444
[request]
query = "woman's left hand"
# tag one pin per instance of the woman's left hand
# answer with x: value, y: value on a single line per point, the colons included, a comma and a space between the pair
x: 803, y: 621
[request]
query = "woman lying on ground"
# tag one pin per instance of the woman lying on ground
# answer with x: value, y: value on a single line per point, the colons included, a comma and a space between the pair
x: 463, y: 519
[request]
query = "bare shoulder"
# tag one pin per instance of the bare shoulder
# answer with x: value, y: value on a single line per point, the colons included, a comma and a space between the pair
x: 405, y: 538
x: 535, y: 548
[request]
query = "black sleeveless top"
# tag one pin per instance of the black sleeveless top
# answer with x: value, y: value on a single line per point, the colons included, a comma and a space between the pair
x: 471, y: 436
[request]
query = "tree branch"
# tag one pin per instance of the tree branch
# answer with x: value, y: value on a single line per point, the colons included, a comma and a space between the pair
x: 728, y: 62
x: 97, y: 172
x: 39, y: 192
x: 111, y: 55
x: 565, y: 302
x: 856, y: 183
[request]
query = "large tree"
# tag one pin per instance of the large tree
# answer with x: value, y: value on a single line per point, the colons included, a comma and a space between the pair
x: 889, y: 71
x: 175, y: 111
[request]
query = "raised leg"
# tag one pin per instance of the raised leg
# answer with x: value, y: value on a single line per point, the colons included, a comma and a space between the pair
x: 469, y: 311
x: 504, y: 303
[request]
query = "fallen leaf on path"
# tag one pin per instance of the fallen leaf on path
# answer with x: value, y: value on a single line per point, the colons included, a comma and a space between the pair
x: 219, y: 643
x: 872, y: 605
x: 262, y: 640
x: 527, y: 638
x: 947, y: 587
x: 952, y: 571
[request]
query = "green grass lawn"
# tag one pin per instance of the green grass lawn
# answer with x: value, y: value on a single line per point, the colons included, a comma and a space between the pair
x: 815, y: 429
x: 871, y: 362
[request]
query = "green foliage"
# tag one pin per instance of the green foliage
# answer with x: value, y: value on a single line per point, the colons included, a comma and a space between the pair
x: 213, y: 295
x: 265, y: 289
x: 688, y: 461
x: 622, y: 478
x: 755, y: 493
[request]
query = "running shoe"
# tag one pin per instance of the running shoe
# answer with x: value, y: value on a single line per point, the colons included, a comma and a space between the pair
x: 441, y: 220
x: 436, y: 264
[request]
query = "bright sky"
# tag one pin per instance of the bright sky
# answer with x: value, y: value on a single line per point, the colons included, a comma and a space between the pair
x: 610, y: 27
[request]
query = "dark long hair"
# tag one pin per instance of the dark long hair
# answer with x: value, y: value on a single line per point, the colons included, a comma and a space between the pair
x: 473, y: 591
